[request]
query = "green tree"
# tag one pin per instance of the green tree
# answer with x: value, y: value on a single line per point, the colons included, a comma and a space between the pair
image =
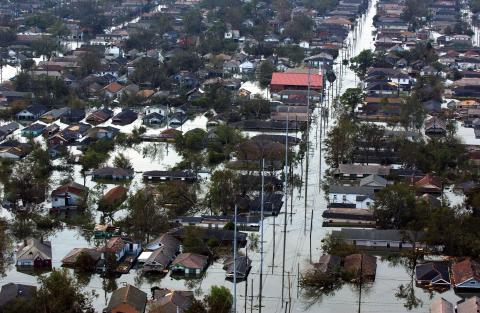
x: 219, y: 300
x: 394, y: 206
x: 192, y: 141
x: 360, y: 63
x: 197, y: 306
x: 193, y: 241
x: 340, y: 142
x: 222, y: 191
x: 60, y: 292
x: 351, y: 98
x: 300, y: 28
x: 122, y: 161
x: 265, y: 73
x: 144, y: 218
x: 412, y: 112
x: 192, y: 22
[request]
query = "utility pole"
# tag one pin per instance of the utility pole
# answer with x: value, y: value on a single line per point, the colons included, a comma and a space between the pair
x: 273, y: 254
x: 286, y: 209
x: 361, y: 281
x: 246, y: 295
x: 289, y: 294
x: 261, y: 240
x: 251, y: 297
x: 235, y: 262
x: 308, y: 141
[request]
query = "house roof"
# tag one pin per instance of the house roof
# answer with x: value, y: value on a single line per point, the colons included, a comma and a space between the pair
x: 35, y: 248
x: 12, y: 291
x: 115, y: 244
x: 432, y: 271
x: 191, y: 260
x: 100, y: 115
x: 170, y: 300
x: 297, y: 79
x: 357, y: 169
x: 355, y: 263
x: 441, y: 305
x: 242, y: 265
x: 112, y: 171
x: 72, y: 257
x: 113, y: 87
x: 374, y: 178
x: 375, y: 234
x: 128, y: 295
x: 328, y: 263
x: 465, y: 270
x: 114, y: 194
x: 429, y: 181
x: 71, y: 187
x: 470, y: 305
x: 352, y: 190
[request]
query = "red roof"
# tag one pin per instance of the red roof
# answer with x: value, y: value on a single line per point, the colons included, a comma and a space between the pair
x: 465, y: 270
x: 429, y: 181
x: 297, y: 79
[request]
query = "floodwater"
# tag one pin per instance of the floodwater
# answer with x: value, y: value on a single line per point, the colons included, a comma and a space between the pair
x: 304, y: 235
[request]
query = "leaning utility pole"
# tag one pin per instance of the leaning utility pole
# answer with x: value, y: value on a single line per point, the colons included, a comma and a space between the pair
x: 286, y: 204
x: 261, y: 240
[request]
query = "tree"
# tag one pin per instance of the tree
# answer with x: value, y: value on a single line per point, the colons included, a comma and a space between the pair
x: 122, y: 161
x: 221, y: 194
x: 196, y: 307
x: 89, y: 62
x: 351, y: 98
x: 394, y: 206
x: 219, y: 300
x: 340, y: 142
x: 192, y: 22
x: 412, y: 113
x: 335, y: 245
x: 193, y: 241
x: 149, y: 70
x: 360, y: 63
x: 300, y: 28
x: 191, y: 141
x: 60, y: 292
x: 144, y: 218
x: 265, y: 73
x: 370, y: 136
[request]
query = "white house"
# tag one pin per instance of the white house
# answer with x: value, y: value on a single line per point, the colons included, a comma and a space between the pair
x: 247, y: 67
x: 70, y: 195
x: 351, y: 196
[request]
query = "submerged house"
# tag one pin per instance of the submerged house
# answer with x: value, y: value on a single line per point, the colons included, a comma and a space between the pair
x: 128, y: 299
x: 71, y: 260
x: 382, y: 239
x: 156, y: 176
x: 241, y: 267
x: 99, y: 116
x: 69, y: 196
x: 13, y: 292
x: 172, y: 301
x: 466, y: 274
x: 125, y: 117
x: 160, y: 253
x: 362, y: 266
x: 433, y: 274
x: 36, y: 254
x: 112, y: 173
x: 189, y: 263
